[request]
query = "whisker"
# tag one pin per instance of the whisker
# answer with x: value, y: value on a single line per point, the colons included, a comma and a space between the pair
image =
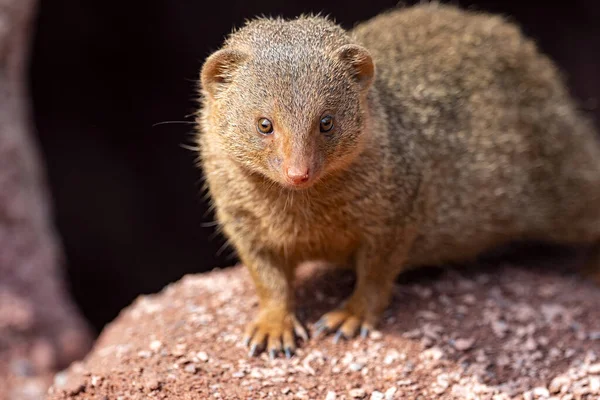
x: 187, y: 147
x: 232, y: 255
x: 216, y: 233
x: 209, y: 224
x: 225, y: 245
x: 211, y: 207
x: 172, y: 122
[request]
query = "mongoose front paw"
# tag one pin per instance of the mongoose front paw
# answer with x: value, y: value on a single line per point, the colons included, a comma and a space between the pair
x: 277, y: 329
x: 348, y: 320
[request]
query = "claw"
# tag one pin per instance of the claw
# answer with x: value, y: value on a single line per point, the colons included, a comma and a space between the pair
x: 321, y: 329
x: 338, y: 336
x: 301, y: 332
x: 247, y: 341
x: 320, y: 323
x: 364, y: 332
x: 252, y: 351
x: 288, y: 353
x: 272, y: 354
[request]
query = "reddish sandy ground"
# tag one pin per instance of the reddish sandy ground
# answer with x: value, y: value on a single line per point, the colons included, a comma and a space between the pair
x: 500, y: 334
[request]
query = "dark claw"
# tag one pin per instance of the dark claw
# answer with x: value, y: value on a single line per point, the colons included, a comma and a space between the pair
x: 301, y: 333
x: 302, y: 336
x: 288, y: 353
x: 253, y: 349
x: 338, y: 336
x: 272, y: 354
x: 321, y: 329
x: 319, y: 323
x: 247, y: 341
x: 364, y: 332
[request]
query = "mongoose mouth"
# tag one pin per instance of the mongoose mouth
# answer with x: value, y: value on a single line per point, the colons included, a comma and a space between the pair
x: 298, y: 185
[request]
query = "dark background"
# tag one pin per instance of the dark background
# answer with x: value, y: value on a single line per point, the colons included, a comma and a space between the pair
x: 126, y: 195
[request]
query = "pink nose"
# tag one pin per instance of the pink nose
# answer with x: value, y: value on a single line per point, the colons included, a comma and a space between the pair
x: 297, y: 175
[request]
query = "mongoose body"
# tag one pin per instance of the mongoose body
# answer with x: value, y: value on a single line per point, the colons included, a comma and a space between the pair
x: 426, y: 135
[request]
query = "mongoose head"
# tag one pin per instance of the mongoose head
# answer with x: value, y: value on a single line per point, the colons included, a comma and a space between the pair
x: 288, y: 98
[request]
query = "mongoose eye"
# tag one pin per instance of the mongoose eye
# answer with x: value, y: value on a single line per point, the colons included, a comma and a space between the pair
x: 265, y: 126
x: 326, y: 123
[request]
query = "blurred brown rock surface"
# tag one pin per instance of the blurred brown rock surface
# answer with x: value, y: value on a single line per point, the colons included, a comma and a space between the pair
x: 40, y: 328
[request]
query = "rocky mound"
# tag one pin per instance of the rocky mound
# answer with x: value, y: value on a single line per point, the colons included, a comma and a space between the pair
x: 499, y: 334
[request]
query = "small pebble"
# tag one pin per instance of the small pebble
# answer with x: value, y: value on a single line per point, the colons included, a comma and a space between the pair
x: 144, y: 354
x: 153, y: 383
x: 503, y: 360
x: 469, y: 299
x: 595, y: 384
x: 96, y: 380
x: 377, y: 395
x: 415, y: 333
x: 330, y: 395
x: 375, y: 335
x: 558, y: 383
x: 460, y: 309
x: 392, y: 356
x: 500, y: 328
x: 389, y: 394
x: 463, y: 344
x: 595, y: 335
x: 434, y: 353
x: 554, y: 353
x: 356, y: 366
x: 190, y: 368
x: 530, y: 344
x: 357, y: 393
x: 155, y: 345
x: 430, y: 315
x: 202, y: 356
x: 541, y: 392
x: 594, y: 369
x: 424, y: 292
x: 60, y: 379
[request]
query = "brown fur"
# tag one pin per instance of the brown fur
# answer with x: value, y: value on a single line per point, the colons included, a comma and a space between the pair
x: 452, y: 134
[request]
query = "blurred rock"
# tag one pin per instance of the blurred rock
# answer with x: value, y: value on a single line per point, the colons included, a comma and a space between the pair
x: 41, y: 330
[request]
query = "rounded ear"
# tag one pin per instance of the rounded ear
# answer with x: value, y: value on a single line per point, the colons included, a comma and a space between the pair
x: 218, y: 69
x: 360, y: 61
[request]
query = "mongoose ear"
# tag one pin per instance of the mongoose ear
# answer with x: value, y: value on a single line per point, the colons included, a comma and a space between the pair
x: 218, y: 69
x: 361, y: 62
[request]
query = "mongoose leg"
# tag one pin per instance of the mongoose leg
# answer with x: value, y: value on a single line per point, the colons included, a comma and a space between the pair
x: 362, y: 310
x: 276, y: 325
